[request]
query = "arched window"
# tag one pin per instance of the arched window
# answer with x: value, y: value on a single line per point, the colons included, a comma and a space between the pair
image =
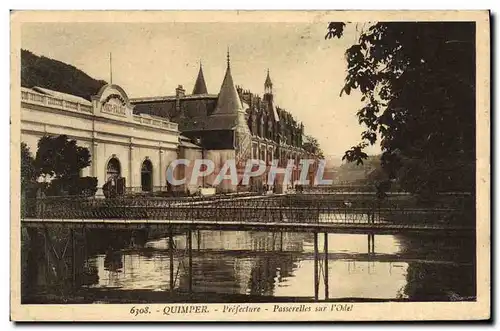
x: 147, y: 176
x: 113, y: 169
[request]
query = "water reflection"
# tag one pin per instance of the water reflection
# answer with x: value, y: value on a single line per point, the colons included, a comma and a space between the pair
x: 350, y: 279
x: 282, y: 265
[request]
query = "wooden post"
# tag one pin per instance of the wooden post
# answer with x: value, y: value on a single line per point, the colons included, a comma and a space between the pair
x: 316, y: 276
x: 281, y: 241
x: 85, y: 247
x: 373, y: 243
x: 190, y: 260
x: 326, y: 265
x: 73, y: 252
x: 198, y: 239
x: 369, y: 243
x: 171, y: 255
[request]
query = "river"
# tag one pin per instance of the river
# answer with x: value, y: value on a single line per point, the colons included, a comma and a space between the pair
x: 244, y: 266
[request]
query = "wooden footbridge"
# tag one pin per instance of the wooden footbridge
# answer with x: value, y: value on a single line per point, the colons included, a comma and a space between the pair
x: 291, y: 213
x: 320, y: 214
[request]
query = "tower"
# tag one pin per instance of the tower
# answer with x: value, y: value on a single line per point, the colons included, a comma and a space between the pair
x: 269, y: 99
x: 268, y: 87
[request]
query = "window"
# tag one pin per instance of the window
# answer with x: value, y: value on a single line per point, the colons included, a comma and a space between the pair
x: 113, y: 169
x: 147, y: 176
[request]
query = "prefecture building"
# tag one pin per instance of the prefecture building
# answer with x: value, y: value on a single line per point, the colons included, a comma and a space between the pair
x: 233, y: 124
x: 137, y: 139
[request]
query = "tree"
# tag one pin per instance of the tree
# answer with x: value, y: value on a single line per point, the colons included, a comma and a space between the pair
x: 417, y: 82
x: 61, y: 159
x: 29, y: 183
x: 28, y: 170
x: 311, y: 145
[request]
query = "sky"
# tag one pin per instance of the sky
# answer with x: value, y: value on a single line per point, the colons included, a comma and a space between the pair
x: 152, y: 59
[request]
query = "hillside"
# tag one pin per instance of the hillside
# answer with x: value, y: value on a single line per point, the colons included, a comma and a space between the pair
x: 364, y: 174
x: 56, y: 75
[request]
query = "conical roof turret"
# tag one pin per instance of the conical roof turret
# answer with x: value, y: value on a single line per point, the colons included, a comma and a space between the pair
x: 229, y: 101
x: 200, y: 87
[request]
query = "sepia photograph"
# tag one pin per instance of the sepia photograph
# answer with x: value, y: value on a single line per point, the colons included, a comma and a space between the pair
x: 250, y: 165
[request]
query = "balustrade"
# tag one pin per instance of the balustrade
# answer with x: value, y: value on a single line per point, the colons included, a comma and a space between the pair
x: 155, y: 122
x: 32, y: 97
x: 54, y: 102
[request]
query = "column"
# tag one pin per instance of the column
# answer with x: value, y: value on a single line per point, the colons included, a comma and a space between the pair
x: 94, y: 158
x: 130, y: 181
x: 95, y: 168
x: 161, y: 184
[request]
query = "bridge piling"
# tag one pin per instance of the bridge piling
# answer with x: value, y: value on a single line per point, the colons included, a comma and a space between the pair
x: 190, y: 260
x: 316, y: 275
x: 326, y: 265
x: 171, y: 257
x: 371, y: 243
x: 281, y: 241
x: 198, y: 239
x: 73, y: 257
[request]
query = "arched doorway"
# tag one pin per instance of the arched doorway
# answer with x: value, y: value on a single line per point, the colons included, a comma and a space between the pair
x: 113, y: 169
x: 147, y: 176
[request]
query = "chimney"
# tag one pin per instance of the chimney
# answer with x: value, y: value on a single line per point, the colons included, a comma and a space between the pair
x: 180, y: 92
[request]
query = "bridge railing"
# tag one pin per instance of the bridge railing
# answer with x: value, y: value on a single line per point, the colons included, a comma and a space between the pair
x: 343, y: 188
x: 284, y: 209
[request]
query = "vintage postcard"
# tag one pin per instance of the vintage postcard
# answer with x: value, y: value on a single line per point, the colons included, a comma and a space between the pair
x: 250, y: 165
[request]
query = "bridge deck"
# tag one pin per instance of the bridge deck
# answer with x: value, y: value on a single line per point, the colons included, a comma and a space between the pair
x: 360, y: 227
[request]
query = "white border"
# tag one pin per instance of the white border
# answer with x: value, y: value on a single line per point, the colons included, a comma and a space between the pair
x: 197, y: 4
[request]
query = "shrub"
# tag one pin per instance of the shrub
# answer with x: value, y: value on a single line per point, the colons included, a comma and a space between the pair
x: 83, y: 186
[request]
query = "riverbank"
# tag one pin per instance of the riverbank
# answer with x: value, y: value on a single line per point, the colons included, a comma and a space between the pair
x: 117, y: 296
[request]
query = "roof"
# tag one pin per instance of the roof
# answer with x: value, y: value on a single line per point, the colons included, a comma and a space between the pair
x: 186, y: 142
x: 218, y: 122
x: 172, y: 98
x: 275, y: 112
x: 199, y: 86
x: 61, y: 95
x: 229, y: 100
x: 268, y: 80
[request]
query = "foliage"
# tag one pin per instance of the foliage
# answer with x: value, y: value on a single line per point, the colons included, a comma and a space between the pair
x: 417, y: 81
x: 28, y: 170
x: 55, y: 75
x: 82, y: 186
x: 368, y: 174
x: 59, y: 157
x: 311, y: 145
x: 86, y: 186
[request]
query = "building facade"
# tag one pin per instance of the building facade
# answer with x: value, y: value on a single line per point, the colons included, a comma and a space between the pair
x: 136, y: 140
x: 136, y: 147
x: 233, y: 124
